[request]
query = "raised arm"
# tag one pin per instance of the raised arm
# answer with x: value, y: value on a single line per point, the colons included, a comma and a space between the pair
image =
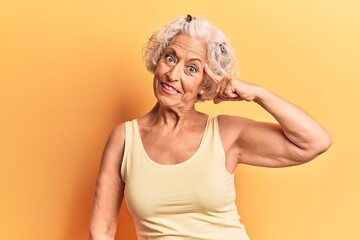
x: 109, y: 189
x: 296, y: 139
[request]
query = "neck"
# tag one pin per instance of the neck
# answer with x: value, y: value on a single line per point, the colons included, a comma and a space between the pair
x: 173, y: 117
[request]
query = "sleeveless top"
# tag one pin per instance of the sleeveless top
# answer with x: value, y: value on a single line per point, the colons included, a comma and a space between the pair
x: 194, y: 199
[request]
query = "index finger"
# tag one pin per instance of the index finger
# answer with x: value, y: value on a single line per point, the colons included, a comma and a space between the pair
x: 215, y: 78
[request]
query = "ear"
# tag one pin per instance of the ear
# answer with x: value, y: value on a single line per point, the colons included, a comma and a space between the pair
x: 199, y: 96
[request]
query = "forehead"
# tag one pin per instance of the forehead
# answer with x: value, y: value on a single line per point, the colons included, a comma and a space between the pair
x: 188, y: 46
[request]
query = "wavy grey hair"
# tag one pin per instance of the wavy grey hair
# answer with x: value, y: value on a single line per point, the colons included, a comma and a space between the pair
x: 220, y: 55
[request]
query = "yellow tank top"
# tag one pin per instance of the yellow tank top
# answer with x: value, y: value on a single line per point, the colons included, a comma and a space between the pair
x: 194, y: 199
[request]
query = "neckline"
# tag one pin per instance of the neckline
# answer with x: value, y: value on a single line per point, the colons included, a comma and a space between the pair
x: 183, y: 163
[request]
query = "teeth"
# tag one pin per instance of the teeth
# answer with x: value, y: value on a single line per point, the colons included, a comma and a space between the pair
x: 167, y: 87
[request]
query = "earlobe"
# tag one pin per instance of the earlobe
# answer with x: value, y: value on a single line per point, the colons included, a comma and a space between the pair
x: 199, y: 96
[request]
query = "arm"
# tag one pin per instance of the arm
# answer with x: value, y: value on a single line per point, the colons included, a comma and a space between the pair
x: 109, y: 189
x: 296, y: 139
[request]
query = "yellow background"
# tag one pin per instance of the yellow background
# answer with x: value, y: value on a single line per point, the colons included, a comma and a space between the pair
x: 71, y: 70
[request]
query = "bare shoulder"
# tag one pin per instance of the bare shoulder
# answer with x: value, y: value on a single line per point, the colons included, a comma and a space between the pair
x: 228, y: 119
x: 117, y: 135
x: 231, y: 127
x: 114, y: 148
x: 233, y: 124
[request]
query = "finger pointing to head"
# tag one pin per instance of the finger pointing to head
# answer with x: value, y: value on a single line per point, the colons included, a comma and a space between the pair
x: 212, y: 75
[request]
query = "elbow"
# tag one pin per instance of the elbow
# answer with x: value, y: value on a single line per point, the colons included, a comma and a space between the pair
x: 93, y: 235
x: 97, y: 233
x: 324, y: 143
x: 327, y: 142
x: 315, y: 149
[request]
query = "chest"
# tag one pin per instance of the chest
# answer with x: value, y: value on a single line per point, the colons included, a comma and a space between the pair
x: 198, y: 182
x: 171, y: 148
x: 179, y: 189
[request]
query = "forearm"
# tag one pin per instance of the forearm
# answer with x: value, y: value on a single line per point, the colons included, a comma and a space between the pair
x: 103, y: 223
x: 101, y: 229
x: 298, y: 126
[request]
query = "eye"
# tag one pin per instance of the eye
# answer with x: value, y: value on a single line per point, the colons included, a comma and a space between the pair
x: 169, y: 58
x: 192, y: 69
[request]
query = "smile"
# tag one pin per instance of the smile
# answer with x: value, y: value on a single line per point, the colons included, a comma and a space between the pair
x: 168, y: 89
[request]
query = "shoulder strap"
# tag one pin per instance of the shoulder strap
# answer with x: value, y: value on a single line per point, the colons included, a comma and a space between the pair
x: 127, y: 149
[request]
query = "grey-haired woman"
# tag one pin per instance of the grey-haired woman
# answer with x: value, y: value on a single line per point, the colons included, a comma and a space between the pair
x: 174, y: 166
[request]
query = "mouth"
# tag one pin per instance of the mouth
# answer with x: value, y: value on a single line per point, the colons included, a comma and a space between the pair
x: 168, y: 89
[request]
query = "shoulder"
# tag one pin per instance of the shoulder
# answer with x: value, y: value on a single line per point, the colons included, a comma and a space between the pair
x: 231, y: 128
x: 233, y: 123
x: 112, y: 155
x: 117, y: 136
x: 118, y: 133
x: 114, y: 147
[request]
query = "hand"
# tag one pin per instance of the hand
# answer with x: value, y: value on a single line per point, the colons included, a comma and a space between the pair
x: 230, y: 89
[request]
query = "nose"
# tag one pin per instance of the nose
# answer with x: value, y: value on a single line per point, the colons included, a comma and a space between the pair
x: 174, y: 73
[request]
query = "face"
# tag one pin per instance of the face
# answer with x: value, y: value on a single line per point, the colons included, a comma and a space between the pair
x: 178, y: 77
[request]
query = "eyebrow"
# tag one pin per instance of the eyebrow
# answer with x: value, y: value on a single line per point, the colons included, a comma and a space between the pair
x: 173, y: 51
x: 195, y: 59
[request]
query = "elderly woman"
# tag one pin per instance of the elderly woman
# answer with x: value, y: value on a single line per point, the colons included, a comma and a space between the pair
x: 175, y: 165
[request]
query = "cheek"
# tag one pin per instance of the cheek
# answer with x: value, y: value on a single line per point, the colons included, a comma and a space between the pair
x: 195, y: 84
x: 156, y: 71
x: 160, y: 70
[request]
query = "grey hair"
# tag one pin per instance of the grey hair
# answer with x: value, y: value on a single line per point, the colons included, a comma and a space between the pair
x: 220, y: 55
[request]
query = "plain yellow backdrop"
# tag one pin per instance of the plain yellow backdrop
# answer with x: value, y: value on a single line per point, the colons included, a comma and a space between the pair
x: 71, y: 70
